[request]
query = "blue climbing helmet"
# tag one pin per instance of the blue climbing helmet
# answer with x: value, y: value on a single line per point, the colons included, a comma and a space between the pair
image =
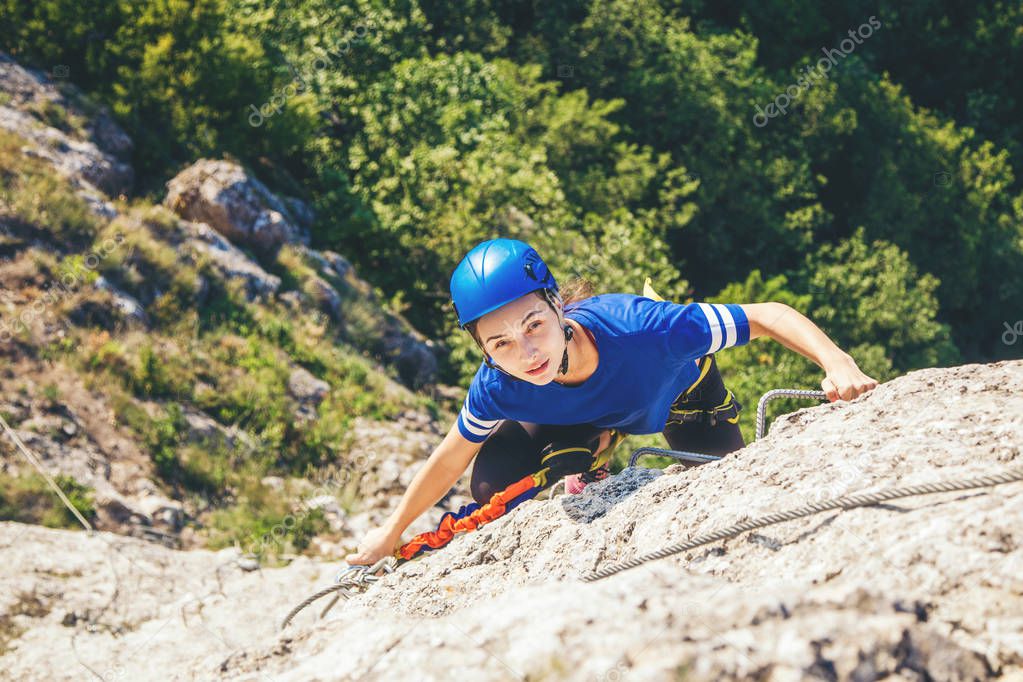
x: 496, y: 272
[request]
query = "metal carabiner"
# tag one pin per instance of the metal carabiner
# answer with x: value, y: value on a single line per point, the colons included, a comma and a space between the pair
x: 348, y: 570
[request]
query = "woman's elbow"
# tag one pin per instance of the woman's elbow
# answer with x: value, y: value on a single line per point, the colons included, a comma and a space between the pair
x: 762, y: 316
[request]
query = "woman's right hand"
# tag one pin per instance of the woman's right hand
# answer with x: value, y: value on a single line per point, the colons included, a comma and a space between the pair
x: 377, y: 544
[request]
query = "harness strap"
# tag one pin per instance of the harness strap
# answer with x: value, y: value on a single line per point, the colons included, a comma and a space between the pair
x: 704, y: 364
x: 727, y: 411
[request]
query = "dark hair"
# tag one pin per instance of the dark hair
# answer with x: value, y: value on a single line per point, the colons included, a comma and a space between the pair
x: 577, y: 289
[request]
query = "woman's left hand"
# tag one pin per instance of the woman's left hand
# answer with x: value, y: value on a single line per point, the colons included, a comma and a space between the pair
x: 845, y: 381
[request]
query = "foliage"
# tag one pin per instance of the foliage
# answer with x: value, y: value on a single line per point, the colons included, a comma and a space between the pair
x: 263, y: 522
x: 616, y: 136
x: 870, y: 296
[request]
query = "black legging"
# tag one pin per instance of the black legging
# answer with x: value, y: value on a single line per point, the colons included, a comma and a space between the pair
x: 510, y: 453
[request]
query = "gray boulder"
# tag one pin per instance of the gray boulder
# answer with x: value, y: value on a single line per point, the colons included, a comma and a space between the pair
x: 235, y: 204
x: 306, y: 388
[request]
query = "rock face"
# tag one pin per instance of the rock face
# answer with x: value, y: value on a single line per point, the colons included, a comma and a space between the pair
x: 83, y: 143
x: 230, y: 261
x: 235, y: 204
x: 921, y: 588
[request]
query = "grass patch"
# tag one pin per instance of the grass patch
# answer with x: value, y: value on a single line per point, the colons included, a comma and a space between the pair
x: 57, y: 116
x: 39, y: 200
x: 264, y: 522
x: 183, y: 467
x: 28, y: 499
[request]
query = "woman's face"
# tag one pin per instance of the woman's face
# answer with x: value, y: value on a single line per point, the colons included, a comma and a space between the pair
x: 524, y: 335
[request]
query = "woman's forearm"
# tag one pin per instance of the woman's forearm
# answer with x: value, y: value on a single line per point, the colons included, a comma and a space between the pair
x: 795, y: 331
x: 442, y: 469
x: 789, y: 327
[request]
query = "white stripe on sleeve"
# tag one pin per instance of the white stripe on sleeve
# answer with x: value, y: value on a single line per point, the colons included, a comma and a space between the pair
x: 474, y: 430
x: 477, y: 420
x: 715, y: 327
x: 730, y: 333
x: 479, y: 427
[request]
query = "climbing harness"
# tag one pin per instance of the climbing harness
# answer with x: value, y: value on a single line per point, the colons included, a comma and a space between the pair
x: 471, y: 516
x: 727, y: 411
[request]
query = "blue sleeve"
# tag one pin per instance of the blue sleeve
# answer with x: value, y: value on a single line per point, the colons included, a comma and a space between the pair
x: 698, y: 329
x: 479, y: 416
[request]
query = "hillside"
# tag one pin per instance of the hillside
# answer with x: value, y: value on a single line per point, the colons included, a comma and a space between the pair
x: 193, y: 372
x: 920, y: 588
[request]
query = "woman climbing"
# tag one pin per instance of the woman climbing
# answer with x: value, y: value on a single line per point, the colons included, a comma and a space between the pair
x: 562, y: 384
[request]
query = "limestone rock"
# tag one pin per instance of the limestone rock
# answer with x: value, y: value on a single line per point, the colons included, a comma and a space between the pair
x: 325, y: 297
x: 306, y: 388
x: 235, y: 204
x: 162, y: 511
x: 231, y: 262
x: 82, y: 143
x: 926, y: 587
x: 205, y: 430
x: 127, y: 304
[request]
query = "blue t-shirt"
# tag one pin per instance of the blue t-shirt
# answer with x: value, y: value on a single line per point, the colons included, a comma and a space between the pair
x: 647, y: 355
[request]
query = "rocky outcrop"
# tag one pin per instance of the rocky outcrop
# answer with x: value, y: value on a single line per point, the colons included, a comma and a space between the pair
x: 351, y: 302
x: 235, y: 204
x: 230, y: 262
x: 126, y: 304
x: 80, y: 140
x: 920, y: 588
x: 223, y: 208
x: 76, y: 436
x: 307, y: 390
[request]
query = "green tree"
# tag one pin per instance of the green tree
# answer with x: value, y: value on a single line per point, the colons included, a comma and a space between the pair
x: 914, y: 179
x: 870, y: 298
